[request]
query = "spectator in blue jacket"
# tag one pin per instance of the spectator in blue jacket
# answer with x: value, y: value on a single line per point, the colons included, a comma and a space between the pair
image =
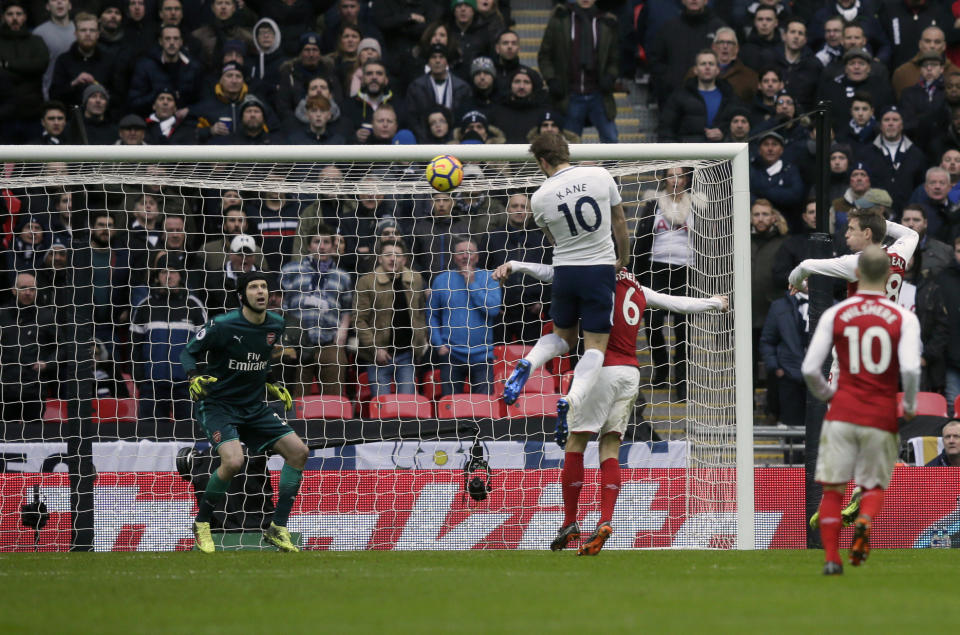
x: 464, y: 304
x: 776, y: 180
x: 160, y: 326
x: 783, y: 343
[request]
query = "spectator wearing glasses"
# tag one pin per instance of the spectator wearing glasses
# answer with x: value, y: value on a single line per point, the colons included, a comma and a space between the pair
x: 741, y: 77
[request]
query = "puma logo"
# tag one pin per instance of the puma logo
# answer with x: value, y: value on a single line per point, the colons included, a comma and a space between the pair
x: 238, y: 338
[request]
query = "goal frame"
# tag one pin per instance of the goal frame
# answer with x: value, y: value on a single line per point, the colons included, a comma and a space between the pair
x: 736, y: 153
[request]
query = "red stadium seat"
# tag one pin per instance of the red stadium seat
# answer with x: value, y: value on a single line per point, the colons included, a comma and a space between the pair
x: 956, y: 406
x: 928, y: 403
x: 401, y: 407
x: 510, y: 352
x: 324, y: 407
x: 470, y: 406
x: 114, y: 410
x: 54, y: 411
x: 431, y: 387
x: 534, y: 405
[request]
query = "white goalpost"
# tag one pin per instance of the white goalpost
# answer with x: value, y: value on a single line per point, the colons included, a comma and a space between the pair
x: 118, y: 254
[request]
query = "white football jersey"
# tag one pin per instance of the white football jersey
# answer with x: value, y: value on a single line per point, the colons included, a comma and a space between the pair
x: 574, y: 205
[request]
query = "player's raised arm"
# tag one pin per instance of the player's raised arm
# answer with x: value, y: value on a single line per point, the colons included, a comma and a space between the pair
x: 536, y: 270
x: 905, y: 240
x: 908, y: 352
x: 844, y: 267
x: 820, y: 346
x: 685, y: 304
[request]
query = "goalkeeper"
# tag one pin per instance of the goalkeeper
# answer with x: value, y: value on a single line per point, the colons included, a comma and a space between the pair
x: 230, y: 407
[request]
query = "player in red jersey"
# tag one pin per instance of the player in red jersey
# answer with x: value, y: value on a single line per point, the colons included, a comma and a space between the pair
x: 866, y: 227
x: 607, y: 407
x: 876, y: 341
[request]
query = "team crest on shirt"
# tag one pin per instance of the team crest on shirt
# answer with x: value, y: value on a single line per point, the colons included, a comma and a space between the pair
x: 271, y: 338
x: 216, y: 437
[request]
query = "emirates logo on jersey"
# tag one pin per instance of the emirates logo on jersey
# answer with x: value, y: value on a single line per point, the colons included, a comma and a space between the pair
x: 271, y: 338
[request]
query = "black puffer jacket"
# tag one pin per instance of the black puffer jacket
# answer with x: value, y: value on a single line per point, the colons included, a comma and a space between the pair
x: 72, y: 63
x: 23, y: 61
x: 684, y: 118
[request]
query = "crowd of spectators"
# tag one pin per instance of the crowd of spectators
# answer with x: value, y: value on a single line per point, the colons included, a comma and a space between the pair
x: 409, y: 279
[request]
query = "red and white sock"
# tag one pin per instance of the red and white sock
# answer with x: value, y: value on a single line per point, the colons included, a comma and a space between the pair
x: 871, y: 502
x: 571, y: 479
x: 830, y: 506
x: 609, y: 488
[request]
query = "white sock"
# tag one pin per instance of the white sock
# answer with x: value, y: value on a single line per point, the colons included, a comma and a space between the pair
x: 584, y: 376
x: 547, y: 347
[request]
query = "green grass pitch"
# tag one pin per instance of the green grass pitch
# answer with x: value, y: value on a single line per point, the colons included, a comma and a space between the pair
x: 476, y: 592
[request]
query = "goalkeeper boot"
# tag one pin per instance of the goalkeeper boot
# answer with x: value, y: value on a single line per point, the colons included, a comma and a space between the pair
x: 516, y: 381
x: 860, y: 546
x: 279, y: 537
x: 852, y: 510
x: 565, y: 536
x: 832, y: 568
x: 594, y: 543
x: 204, y: 541
x: 563, y: 430
x: 815, y: 521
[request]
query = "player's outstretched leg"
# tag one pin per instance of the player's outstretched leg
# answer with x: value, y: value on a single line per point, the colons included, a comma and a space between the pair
x: 547, y: 347
x: 295, y: 455
x: 516, y: 381
x: 871, y: 502
x: 830, y: 526
x: 231, y: 460
x: 571, y: 483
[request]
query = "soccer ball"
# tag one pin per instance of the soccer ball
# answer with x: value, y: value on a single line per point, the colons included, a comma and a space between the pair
x: 444, y: 172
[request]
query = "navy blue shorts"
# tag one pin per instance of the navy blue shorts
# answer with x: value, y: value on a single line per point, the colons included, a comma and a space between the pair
x: 585, y: 293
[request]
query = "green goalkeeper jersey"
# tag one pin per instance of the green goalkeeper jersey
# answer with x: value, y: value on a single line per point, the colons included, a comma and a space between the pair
x: 237, y: 353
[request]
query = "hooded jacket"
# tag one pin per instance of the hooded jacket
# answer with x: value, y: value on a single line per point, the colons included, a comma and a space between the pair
x: 265, y: 70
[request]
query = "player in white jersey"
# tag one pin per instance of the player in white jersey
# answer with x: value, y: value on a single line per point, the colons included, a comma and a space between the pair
x: 866, y: 226
x: 581, y: 213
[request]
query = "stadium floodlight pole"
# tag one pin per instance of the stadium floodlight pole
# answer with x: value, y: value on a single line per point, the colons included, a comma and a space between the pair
x: 716, y: 429
x: 820, y: 298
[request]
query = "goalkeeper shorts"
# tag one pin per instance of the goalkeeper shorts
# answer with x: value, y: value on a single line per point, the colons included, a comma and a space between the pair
x: 258, y: 426
x: 608, y: 405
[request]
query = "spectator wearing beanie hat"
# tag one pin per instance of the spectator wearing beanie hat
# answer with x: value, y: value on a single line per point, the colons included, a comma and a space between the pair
x: 84, y: 63
x: 164, y: 126
x: 219, y: 115
x: 439, y: 86
x: 551, y: 122
x: 474, y: 125
x: 250, y: 127
x: 23, y: 61
x: 483, y: 83
x: 475, y: 33
x: 165, y: 66
x: 227, y: 22
x: 100, y: 130
x: 368, y: 50
x: 115, y: 40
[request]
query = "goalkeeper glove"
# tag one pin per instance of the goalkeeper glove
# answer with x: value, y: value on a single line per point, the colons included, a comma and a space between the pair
x: 279, y: 391
x: 198, y: 386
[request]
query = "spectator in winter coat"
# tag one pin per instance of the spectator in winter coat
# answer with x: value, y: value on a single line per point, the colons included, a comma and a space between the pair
x: 863, y: 12
x: 506, y: 60
x: 857, y: 76
x: 741, y: 77
x: 374, y: 92
x: 894, y: 160
x: 252, y: 128
x: 295, y: 75
x: 435, y: 236
x: 132, y: 130
x: 84, y: 63
x: 464, y: 304
x: 23, y: 61
x: 318, y: 131
x: 829, y: 51
x: 225, y: 21
x: 474, y: 32
x: 579, y: 59
x: 908, y: 74
x: 160, y: 326
x: 348, y: 12
x: 295, y: 18
x: 523, y: 297
x: 219, y: 115
x: 53, y: 122
x: 904, y: 22
x: 783, y: 344
x: 768, y: 228
x: 773, y: 179
x: 437, y: 125
x: 97, y: 126
x: 764, y: 105
x: 699, y: 110
x: 165, y: 126
x: 932, y: 256
x: 761, y: 45
x: 30, y: 243
x: 948, y: 283
x: 862, y: 126
x: 921, y: 105
x: 550, y: 122
x: 695, y: 27
x: 166, y: 66
x: 798, y: 68
x: 522, y: 109
x: 439, y: 86
x: 940, y: 214
x: 269, y: 57
x: 402, y: 23
x: 484, y: 85
x: 391, y: 320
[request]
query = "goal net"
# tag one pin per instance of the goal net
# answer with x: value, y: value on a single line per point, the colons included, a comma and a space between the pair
x: 116, y: 257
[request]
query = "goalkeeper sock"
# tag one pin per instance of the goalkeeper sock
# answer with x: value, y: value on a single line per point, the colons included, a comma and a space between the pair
x: 290, y: 478
x: 871, y: 502
x: 830, y: 506
x: 547, y: 347
x: 571, y: 479
x: 609, y: 488
x: 215, y: 491
x: 585, y: 375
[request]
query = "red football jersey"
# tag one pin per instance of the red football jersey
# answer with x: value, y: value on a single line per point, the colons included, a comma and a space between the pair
x: 629, y: 304
x: 867, y: 329
x: 898, y: 266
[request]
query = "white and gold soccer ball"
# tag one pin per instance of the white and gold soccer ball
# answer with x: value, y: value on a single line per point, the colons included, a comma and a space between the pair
x: 444, y: 172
